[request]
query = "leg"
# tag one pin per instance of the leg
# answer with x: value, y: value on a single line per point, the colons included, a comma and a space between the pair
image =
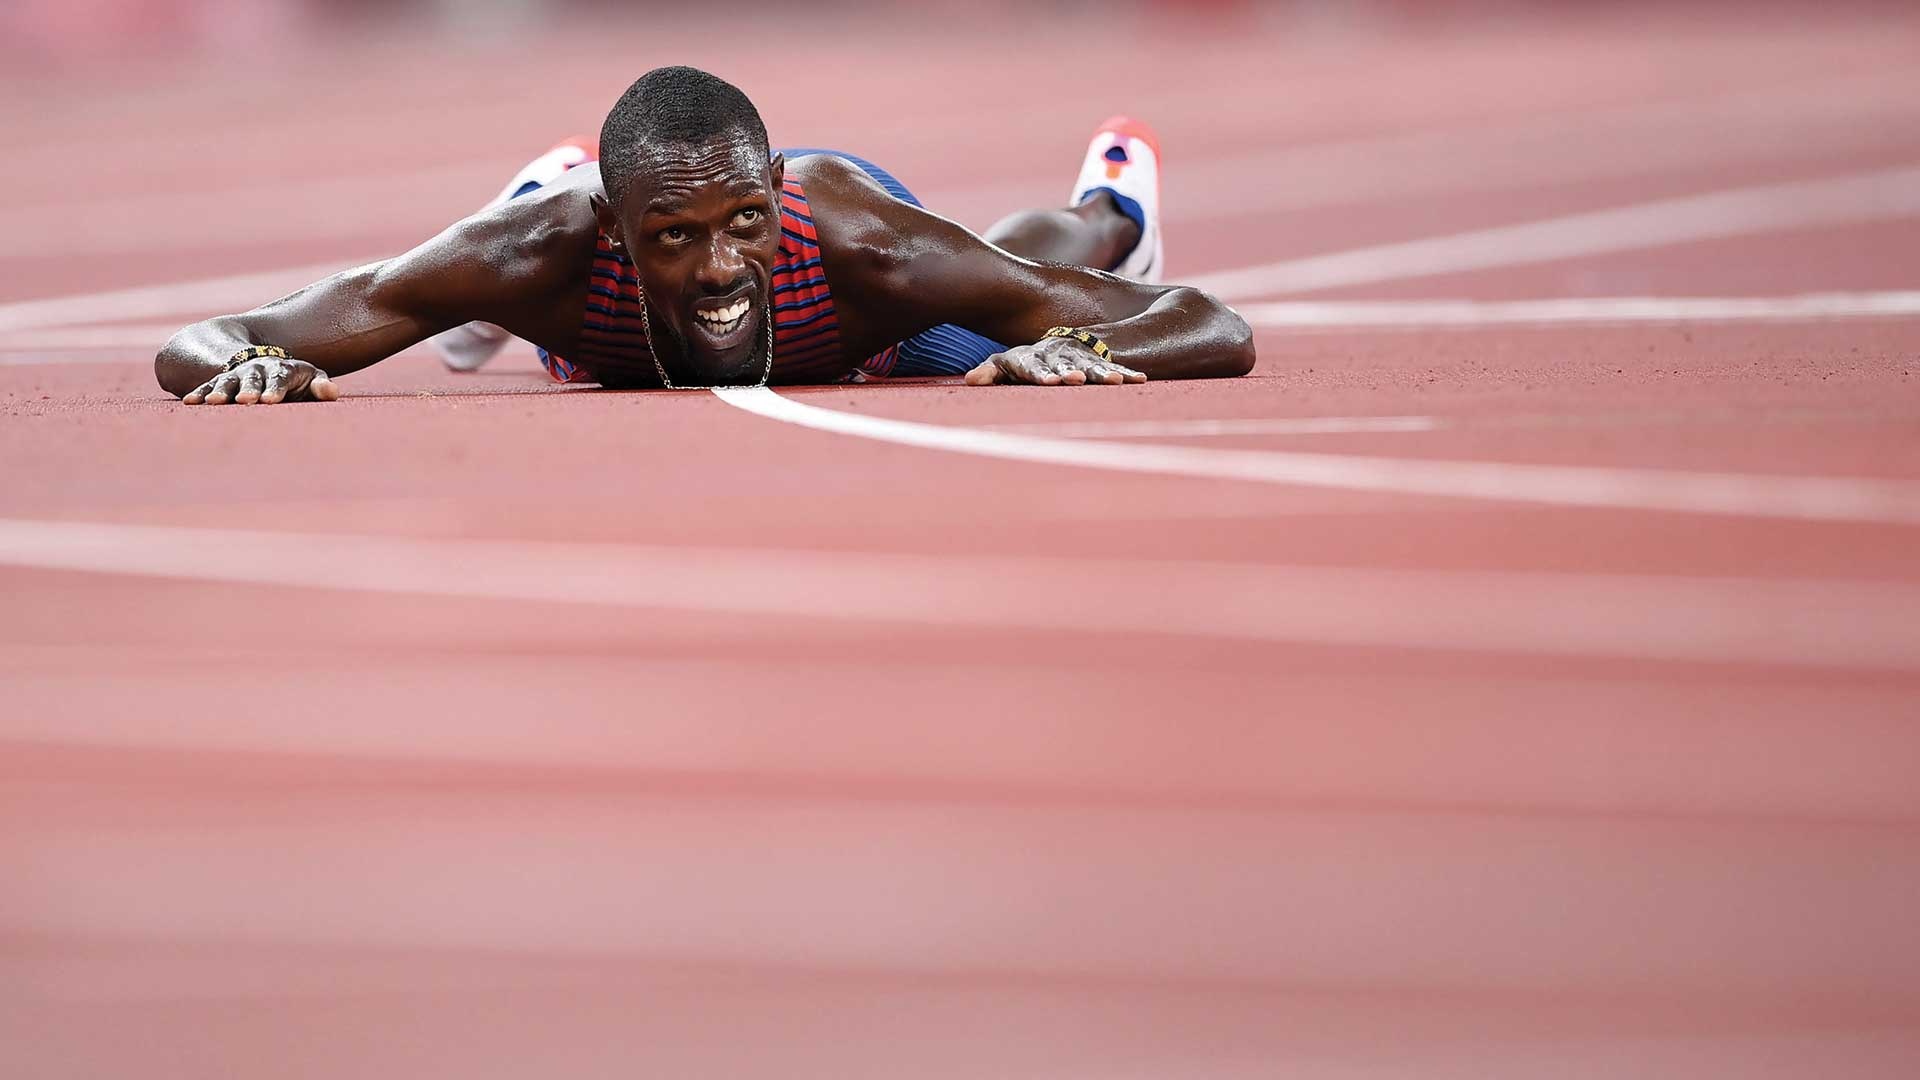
x: 1095, y: 234
x: 1094, y: 231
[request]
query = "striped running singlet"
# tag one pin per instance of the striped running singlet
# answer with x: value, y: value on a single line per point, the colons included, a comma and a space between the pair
x: 805, y: 328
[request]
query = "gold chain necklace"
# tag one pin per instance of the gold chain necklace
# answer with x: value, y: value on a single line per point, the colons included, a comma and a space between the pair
x: 646, y: 326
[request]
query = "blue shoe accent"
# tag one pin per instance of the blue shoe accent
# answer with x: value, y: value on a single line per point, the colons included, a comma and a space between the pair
x: 1127, y: 206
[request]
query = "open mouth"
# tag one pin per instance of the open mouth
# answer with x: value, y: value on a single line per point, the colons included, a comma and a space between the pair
x: 724, y: 326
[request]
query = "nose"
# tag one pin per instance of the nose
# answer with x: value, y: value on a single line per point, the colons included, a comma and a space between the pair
x: 723, y: 267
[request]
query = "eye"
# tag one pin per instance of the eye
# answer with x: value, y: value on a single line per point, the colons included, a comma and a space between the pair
x: 746, y: 217
x: 673, y: 235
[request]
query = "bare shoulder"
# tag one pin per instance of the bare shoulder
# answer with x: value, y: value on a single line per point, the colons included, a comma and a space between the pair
x: 841, y: 184
x: 539, y: 242
x: 869, y: 239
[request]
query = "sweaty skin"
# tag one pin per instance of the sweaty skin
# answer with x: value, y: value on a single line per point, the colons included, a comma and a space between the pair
x: 700, y: 223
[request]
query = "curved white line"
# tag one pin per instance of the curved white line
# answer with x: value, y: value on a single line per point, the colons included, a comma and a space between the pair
x: 1805, y: 498
x: 1196, y: 429
x: 1857, y: 197
x: 1837, y: 624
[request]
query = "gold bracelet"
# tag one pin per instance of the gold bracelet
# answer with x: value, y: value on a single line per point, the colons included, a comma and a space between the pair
x: 254, y: 352
x: 1074, y: 334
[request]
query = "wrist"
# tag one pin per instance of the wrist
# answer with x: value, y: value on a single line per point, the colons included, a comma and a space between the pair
x: 1086, y: 338
x: 254, y: 352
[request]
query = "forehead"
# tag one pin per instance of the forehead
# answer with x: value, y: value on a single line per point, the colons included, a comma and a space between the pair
x: 672, y: 175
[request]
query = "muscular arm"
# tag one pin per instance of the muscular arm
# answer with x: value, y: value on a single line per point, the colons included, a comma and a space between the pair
x: 937, y: 271
x: 486, y: 267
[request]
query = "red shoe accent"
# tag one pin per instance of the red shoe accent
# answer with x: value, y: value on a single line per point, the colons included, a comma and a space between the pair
x: 1137, y: 129
x: 588, y: 143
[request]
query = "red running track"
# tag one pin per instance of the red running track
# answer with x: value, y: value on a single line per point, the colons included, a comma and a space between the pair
x: 471, y: 726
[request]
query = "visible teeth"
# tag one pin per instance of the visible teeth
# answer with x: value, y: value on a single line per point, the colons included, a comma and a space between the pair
x: 726, y: 314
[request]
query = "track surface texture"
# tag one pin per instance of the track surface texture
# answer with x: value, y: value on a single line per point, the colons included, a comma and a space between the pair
x: 1496, y: 688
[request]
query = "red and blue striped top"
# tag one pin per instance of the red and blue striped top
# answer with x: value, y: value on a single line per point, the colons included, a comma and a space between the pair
x: 806, y: 330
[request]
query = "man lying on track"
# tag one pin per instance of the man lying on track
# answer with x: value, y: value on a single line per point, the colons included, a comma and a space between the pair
x: 690, y: 255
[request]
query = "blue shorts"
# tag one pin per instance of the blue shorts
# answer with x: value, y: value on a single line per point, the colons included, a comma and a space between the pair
x: 942, y: 350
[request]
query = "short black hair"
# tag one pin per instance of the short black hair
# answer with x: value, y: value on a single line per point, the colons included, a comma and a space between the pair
x: 673, y: 105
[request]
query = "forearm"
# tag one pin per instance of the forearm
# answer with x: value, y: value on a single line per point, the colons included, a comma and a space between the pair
x: 333, y: 325
x: 1185, y: 334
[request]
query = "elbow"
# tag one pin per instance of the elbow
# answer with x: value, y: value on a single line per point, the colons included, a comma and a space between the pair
x: 1239, y: 353
x: 1230, y: 352
x: 173, y: 366
x: 1221, y: 341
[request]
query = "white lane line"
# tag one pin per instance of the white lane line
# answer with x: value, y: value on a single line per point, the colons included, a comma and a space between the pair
x: 1178, y: 429
x: 147, y: 336
x: 1863, y: 197
x: 415, y: 204
x: 106, y: 344
x: 1807, y: 498
x: 1824, y: 121
x: 41, y: 359
x: 1426, y: 314
x: 1859, y: 197
x: 231, y: 293
x: 63, y: 345
x: 1340, y: 425
x: 1828, y: 624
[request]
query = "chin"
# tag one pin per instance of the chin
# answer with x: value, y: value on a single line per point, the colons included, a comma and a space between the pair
x: 732, y: 359
x: 731, y: 370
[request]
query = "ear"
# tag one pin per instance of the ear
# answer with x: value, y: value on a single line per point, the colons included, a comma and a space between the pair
x: 604, y: 216
x: 777, y: 171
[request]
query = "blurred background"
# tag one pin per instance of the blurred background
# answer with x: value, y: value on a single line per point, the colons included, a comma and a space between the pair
x: 59, y: 32
x: 63, y: 31
x: 1494, y: 788
x: 358, y: 128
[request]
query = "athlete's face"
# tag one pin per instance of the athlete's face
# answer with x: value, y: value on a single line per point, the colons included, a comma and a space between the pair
x: 702, y: 226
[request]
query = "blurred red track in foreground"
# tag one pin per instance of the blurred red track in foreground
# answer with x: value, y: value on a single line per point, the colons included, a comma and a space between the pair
x: 565, y: 733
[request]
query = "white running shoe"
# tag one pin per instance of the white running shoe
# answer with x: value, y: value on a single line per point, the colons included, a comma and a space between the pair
x: 469, y: 347
x: 1124, y: 159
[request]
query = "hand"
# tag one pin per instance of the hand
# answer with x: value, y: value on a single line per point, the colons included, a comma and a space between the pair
x: 1051, y: 361
x: 268, y: 381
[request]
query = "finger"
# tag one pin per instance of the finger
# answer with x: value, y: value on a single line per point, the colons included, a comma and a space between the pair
x: 1131, y: 375
x: 322, y: 388
x: 199, y: 393
x: 1071, y: 371
x: 276, y: 388
x: 1028, y: 368
x: 986, y: 373
x: 253, y: 380
x: 1104, y: 375
x: 224, y: 388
